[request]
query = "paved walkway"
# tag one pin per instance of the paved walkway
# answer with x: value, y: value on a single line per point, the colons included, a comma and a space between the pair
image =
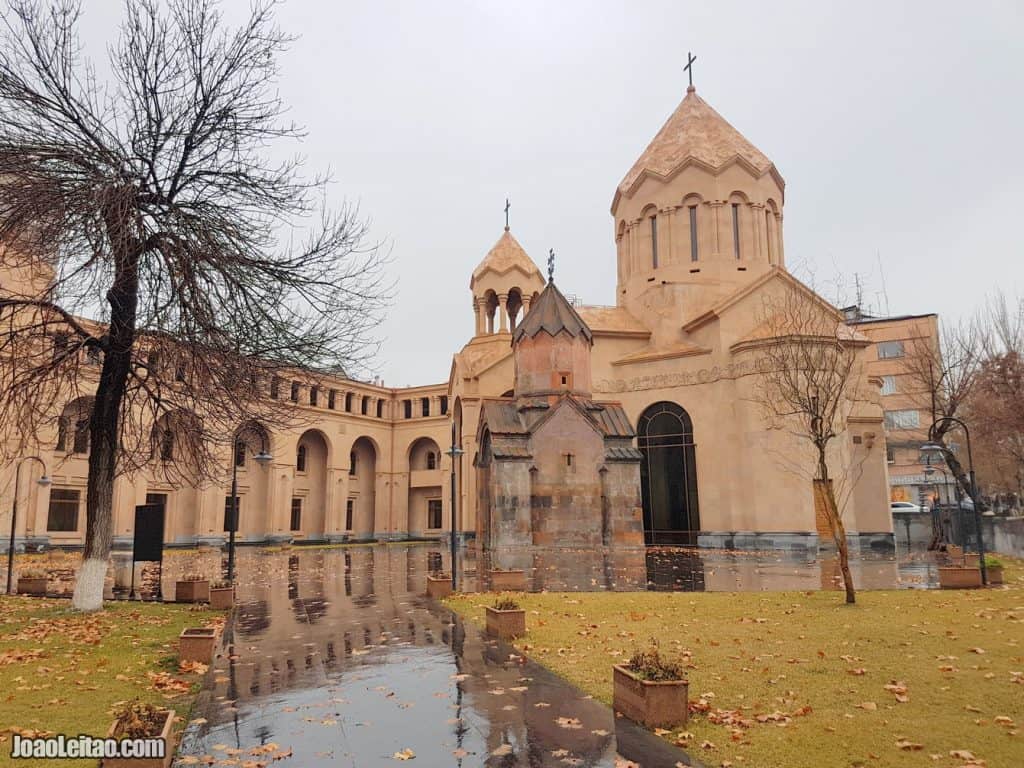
x: 335, y: 657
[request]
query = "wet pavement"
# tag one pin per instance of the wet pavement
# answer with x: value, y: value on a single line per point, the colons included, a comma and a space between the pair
x: 335, y: 657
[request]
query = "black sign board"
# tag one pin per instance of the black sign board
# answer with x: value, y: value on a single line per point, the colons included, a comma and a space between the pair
x: 148, y: 543
x: 149, y: 533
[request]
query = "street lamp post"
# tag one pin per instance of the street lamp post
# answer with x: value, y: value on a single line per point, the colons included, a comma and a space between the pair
x: 454, y: 452
x: 262, y: 458
x: 976, y: 502
x: 930, y: 470
x: 43, y: 481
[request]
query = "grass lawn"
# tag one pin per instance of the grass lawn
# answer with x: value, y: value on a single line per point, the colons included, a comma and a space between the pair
x: 61, y: 672
x: 758, y: 661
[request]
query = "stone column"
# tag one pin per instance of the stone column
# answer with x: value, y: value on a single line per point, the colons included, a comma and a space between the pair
x: 478, y: 314
x: 757, y: 219
x: 503, y: 309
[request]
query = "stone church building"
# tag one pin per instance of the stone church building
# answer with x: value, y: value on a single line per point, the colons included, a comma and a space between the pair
x: 580, y: 424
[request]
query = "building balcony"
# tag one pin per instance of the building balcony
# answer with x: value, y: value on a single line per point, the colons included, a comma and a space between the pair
x: 425, y: 478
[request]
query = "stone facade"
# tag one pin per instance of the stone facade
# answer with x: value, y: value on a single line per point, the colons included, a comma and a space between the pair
x: 664, y: 388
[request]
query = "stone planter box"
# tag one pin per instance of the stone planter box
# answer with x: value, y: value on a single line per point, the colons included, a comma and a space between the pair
x: 652, y: 704
x: 995, y: 574
x: 971, y: 560
x: 959, y: 577
x: 166, y: 733
x: 506, y: 625
x: 196, y: 644
x: 508, y: 581
x: 32, y: 585
x: 439, y: 587
x: 954, y: 551
x: 222, y: 598
x: 192, y: 591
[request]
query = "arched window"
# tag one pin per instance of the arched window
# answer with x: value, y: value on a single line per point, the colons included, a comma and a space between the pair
x: 352, y: 463
x: 668, y: 475
x: 654, y: 241
x: 300, y: 458
x: 694, y: 250
x: 431, y: 460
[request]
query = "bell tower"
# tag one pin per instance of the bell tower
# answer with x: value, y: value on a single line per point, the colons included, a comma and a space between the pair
x: 698, y: 215
x: 504, y: 284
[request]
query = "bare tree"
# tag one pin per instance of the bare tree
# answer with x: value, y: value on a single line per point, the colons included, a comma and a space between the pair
x: 148, y: 204
x: 811, y: 380
x: 945, y: 375
x: 996, y: 402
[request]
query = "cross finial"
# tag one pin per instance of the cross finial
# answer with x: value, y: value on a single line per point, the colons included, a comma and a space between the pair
x: 690, y: 58
x: 507, y: 206
x: 551, y: 265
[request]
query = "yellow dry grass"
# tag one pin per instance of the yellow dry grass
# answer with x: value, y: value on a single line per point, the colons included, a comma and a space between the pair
x: 760, y: 659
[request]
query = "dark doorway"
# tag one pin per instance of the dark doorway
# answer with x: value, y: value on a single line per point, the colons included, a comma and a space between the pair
x: 668, y: 476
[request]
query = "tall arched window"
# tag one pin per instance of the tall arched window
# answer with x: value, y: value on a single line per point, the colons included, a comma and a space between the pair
x: 654, y: 241
x: 431, y: 460
x: 668, y: 475
x: 300, y: 458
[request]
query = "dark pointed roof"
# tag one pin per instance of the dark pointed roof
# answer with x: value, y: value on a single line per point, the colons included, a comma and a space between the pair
x: 553, y: 313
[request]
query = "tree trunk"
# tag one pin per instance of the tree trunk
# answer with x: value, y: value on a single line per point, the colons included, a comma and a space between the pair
x: 836, y: 526
x: 105, y: 421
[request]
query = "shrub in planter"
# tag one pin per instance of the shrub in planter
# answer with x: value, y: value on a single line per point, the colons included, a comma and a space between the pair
x: 651, y: 690
x: 994, y: 569
x: 507, y: 580
x: 138, y: 720
x: 505, y: 619
x: 196, y: 644
x: 222, y: 595
x: 439, y: 586
x: 32, y: 581
x: 959, y: 577
x: 192, y: 589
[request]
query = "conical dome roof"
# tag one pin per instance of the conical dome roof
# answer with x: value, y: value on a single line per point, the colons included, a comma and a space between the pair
x: 694, y: 131
x: 506, y: 255
x: 553, y: 313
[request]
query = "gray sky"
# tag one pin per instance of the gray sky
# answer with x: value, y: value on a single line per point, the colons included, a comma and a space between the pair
x: 897, y: 127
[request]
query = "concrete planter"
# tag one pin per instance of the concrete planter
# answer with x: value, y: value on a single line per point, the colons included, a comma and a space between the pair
x: 995, y: 574
x: 652, y: 704
x: 507, y: 581
x: 196, y: 644
x: 166, y: 733
x: 222, y: 598
x: 972, y: 560
x: 954, y: 551
x: 506, y: 625
x: 959, y: 577
x: 192, y: 591
x: 32, y: 585
x: 439, y: 587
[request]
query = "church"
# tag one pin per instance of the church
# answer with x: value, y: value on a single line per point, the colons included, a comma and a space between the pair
x: 623, y: 425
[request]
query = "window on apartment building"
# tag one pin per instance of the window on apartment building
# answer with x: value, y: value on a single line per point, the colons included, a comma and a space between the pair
x: 63, y: 512
x: 408, y: 408
x: 60, y: 345
x: 332, y: 399
x: 300, y: 459
x: 348, y: 402
x: 444, y: 405
x: 167, y: 445
x: 296, y: 521
x: 314, y: 395
x: 240, y: 453
x: 425, y: 405
x: 352, y: 463
x: 433, y: 513
x: 295, y: 392
x: 350, y: 509
x: 366, y: 405
x: 887, y: 350
x: 380, y: 409
x: 275, y: 388
x: 888, y: 385
x: 431, y: 460
x: 890, y: 454
x: 906, y: 419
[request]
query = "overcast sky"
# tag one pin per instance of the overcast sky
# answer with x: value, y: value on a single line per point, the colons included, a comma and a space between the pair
x: 898, y: 127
